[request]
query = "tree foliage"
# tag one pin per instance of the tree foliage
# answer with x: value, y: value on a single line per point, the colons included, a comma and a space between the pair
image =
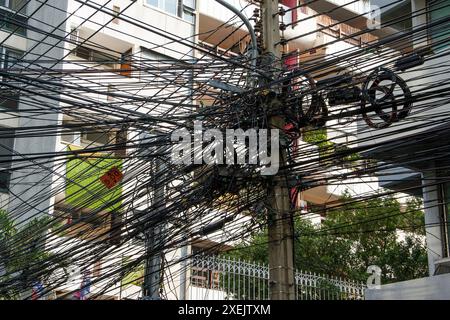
x: 23, y: 257
x: 353, y: 236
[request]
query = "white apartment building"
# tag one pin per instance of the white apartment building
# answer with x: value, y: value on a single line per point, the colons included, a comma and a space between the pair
x: 85, y: 37
x: 106, y: 52
x: 406, y: 147
x: 108, y: 47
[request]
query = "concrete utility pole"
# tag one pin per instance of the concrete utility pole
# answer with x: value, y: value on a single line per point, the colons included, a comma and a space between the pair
x: 153, y: 242
x: 280, y: 229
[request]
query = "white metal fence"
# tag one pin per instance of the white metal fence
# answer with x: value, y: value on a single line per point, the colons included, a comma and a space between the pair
x: 216, y: 278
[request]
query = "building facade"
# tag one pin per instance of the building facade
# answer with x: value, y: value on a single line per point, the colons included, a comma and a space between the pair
x: 107, y: 51
x: 413, y: 153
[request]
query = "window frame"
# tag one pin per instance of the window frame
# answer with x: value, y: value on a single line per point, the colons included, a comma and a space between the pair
x: 6, y: 10
x: 6, y: 166
x: 430, y: 37
x: 4, y: 54
x: 117, y: 64
x: 180, y: 9
x: 6, y: 103
x: 115, y: 136
x: 8, y: 3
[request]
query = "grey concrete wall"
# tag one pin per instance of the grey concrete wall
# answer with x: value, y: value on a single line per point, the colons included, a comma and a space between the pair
x: 430, y: 288
x: 30, y: 187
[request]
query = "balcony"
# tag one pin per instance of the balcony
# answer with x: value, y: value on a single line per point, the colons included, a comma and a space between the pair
x: 87, y: 209
x: 212, y: 15
x: 305, y: 28
x: 134, y: 30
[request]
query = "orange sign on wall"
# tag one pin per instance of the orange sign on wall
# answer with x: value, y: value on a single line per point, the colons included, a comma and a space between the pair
x: 112, y: 177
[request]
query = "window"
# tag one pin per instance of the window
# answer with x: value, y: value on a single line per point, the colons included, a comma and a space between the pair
x: 169, y: 6
x: 83, y: 53
x: 390, y: 14
x: 81, y: 137
x: 93, y: 137
x: 189, y: 15
x: 9, y: 99
x: 187, y: 10
x: 92, y: 55
x: 13, y: 16
x: 6, y: 147
x: 15, y: 5
x: 189, y: 3
x: 154, y: 59
x: 96, y: 138
x: 9, y: 59
x: 439, y: 9
x: 184, y: 9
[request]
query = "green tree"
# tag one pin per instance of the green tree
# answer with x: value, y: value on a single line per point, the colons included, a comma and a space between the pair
x: 23, y: 258
x: 353, y: 236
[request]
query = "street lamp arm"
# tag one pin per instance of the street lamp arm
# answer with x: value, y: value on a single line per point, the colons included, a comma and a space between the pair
x: 254, y: 48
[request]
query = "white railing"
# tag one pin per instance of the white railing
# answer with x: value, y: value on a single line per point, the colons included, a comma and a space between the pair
x: 216, y: 278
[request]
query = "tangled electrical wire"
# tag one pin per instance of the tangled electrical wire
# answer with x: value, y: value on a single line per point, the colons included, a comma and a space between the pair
x: 89, y: 116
